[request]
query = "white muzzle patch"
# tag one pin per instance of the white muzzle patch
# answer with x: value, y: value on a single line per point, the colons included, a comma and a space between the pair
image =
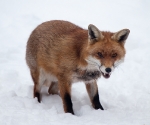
x: 93, y: 64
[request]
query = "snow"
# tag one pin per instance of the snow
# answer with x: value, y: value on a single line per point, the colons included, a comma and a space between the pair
x: 125, y: 96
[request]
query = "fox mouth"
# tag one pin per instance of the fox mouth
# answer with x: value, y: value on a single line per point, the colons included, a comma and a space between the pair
x: 106, y: 75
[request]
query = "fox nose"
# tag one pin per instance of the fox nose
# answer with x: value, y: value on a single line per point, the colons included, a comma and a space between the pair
x: 108, y: 70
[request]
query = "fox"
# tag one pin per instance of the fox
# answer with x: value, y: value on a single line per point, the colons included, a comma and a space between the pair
x: 60, y: 53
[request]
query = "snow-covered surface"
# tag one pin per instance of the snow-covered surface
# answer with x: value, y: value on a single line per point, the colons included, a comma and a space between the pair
x: 125, y: 95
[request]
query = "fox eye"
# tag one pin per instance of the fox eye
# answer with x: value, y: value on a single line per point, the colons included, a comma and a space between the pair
x: 100, y: 55
x: 114, y: 55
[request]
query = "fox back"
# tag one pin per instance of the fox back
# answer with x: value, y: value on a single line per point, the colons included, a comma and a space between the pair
x: 60, y: 53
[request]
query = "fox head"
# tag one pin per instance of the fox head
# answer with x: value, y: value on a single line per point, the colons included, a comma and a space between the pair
x: 105, y: 49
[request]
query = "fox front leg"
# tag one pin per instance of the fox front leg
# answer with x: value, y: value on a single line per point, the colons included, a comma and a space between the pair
x: 92, y: 90
x: 65, y: 93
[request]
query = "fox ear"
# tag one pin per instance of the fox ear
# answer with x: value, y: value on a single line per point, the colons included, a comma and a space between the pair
x: 94, y: 33
x: 121, y: 35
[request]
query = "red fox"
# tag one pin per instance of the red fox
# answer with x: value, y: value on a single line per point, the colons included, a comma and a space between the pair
x: 60, y: 53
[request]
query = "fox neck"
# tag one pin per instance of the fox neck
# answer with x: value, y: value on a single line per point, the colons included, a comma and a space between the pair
x: 88, y: 66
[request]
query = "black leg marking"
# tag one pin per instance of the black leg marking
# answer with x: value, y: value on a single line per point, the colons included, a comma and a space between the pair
x: 37, y: 94
x: 96, y: 102
x: 68, y: 103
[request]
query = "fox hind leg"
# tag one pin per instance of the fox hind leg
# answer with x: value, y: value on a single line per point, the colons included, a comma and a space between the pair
x: 37, y: 93
x: 53, y: 89
x: 38, y: 79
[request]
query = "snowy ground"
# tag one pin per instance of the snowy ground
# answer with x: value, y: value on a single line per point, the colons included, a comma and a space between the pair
x: 125, y: 96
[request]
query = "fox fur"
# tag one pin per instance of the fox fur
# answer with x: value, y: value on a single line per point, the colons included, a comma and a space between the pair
x: 60, y: 53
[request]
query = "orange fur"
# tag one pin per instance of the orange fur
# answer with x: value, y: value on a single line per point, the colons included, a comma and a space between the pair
x: 59, y: 52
